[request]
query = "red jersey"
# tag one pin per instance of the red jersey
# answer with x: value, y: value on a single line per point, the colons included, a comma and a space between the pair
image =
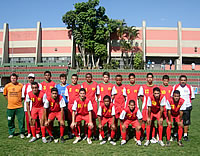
x: 91, y: 90
x: 107, y: 112
x: 82, y: 107
x: 166, y: 91
x: 105, y: 89
x: 175, y: 107
x: 132, y: 93
x: 72, y: 92
x: 127, y: 114
x: 147, y: 91
x: 55, y: 104
x: 37, y: 100
x: 156, y: 104
x: 46, y: 87
x: 119, y: 100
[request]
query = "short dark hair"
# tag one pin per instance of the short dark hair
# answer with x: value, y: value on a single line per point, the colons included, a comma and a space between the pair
x: 63, y: 75
x: 132, y: 101
x: 54, y: 89
x: 82, y: 89
x: 149, y: 74
x: 88, y: 74
x: 131, y: 74
x: 165, y: 77
x: 75, y: 75
x: 106, y: 73
x: 176, y: 92
x: 118, y: 76
x: 156, y: 89
x: 47, y: 72
x: 107, y: 97
x: 15, y: 75
x: 182, y: 77
x: 35, y: 83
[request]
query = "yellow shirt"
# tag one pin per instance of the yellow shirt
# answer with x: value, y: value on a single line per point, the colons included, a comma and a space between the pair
x: 14, y: 94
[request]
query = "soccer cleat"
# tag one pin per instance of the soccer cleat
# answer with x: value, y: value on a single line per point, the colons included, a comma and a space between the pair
x: 153, y: 141
x: 37, y: 136
x: 112, y: 142
x: 28, y: 136
x: 180, y: 143
x: 89, y: 141
x: 134, y: 138
x: 62, y: 140
x: 51, y: 138
x: 44, y: 140
x: 138, y: 143
x: 168, y: 144
x: 123, y: 142
x: 161, y: 143
x: 22, y: 136
x: 85, y: 137
x: 33, y: 139
x: 109, y: 138
x: 10, y: 136
x: 185, y: 138
x: 100, y: 137
x: 76, y: 140
x: 147, y: 143
x: 103, y: 142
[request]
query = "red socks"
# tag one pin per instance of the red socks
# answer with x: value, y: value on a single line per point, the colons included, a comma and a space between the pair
x: 160, y: 132
x: 142, y: 129
x: 49, y: 130
x: 148, y: 131
x: 168, y: 132
x: 138, y: 134
x: 112, y: 134
x: 33, y: 131
x: 62, y: 129
x: 43, y: 129
x: 180, y: 132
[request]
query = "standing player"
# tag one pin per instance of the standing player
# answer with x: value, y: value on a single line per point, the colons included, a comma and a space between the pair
x: 13, y: 93
x: 54, y: 105
x: 72, y: 93
x: 25, y: 90
x: 106, y: 114
x: 155, y: 104
x: 147, y: 90
x: 48, y: 83
x: 37, y: 98
x: 82, y: 111
x: 175, y: 107
x: 187, y: 93
x: 131, y: 115
x: 91, y: 93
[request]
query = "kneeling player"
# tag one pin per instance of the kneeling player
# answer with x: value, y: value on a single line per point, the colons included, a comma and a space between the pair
x: 82, y: 111
x: 155, y: 104
x: 54, y: 107
x: 131, y: 115
x: 37, y: 98
x: 106, y: 114
x: 175, y: 107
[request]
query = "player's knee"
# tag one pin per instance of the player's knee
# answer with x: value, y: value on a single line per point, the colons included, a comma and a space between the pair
x: 138, y: 128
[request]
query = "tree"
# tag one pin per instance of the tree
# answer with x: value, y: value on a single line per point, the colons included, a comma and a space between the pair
x: 91, y: 29
x: 138, y: 60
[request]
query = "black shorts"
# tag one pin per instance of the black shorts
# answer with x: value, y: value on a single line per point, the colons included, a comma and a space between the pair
x: 186, y: 116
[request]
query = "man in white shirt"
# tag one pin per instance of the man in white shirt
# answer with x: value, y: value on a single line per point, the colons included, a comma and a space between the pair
x: 187, y: 93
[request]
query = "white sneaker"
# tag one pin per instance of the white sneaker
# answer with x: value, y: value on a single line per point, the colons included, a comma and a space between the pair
x: 28, y: 136
x: 171, y: 139
x: 153, y: 141
x: 134, y: 138
x: 44, y: 140
x: 103, y: 142
x: 76, y: 140
x: 123, y: 142
x: 112, y: 142
x: 161, y: 143
x: 37, y: 136
x: 10, y: 136
x: 22, y: 136
x: 100, y: 137
x: 109, y: 138
x: 89, y: 141
x: 85, y: 137
x: 33, y: 139
x: 147, y: 143
x: 138, y: 143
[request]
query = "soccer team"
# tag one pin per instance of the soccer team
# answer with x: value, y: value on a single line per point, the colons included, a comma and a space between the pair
x: 109, y: 103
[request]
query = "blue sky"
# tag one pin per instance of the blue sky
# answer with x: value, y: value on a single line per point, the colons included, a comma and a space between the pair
x: 157, y: 13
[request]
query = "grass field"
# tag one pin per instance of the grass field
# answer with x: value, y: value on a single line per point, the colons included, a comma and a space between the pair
x: 17, y: 146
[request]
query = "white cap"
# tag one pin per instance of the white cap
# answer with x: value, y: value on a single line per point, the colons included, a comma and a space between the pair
x: 31, y: 75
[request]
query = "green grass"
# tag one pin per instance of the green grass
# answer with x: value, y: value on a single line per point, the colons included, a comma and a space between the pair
x: 17, y: 146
